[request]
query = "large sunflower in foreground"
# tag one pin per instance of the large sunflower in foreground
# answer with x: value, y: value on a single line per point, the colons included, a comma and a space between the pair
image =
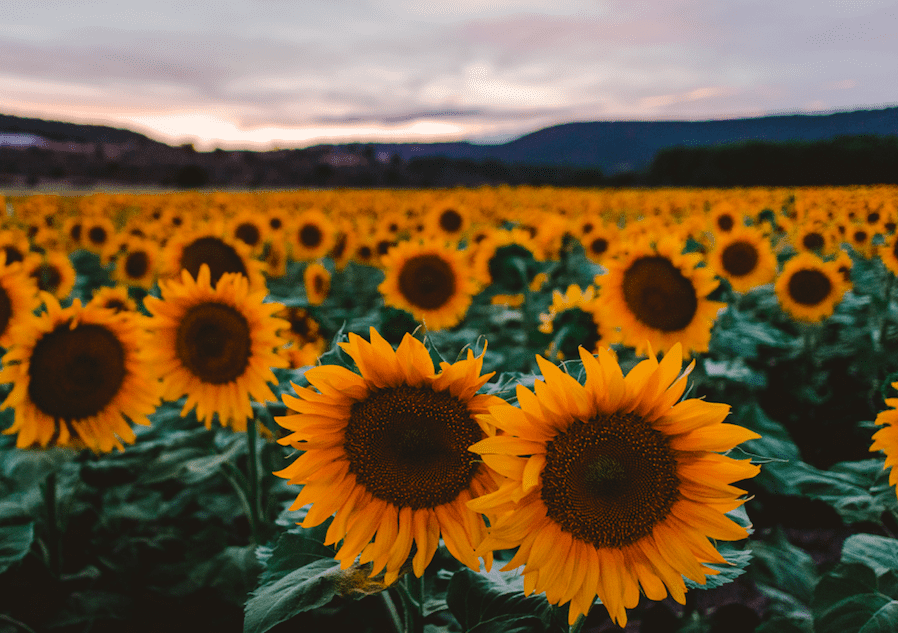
x: 658, y: 297
x: 809, y: 288
x: 613, y: 485
x: 387, y: 451
x: 430, y: 280
x: 886, y: 438
x: 78, y: 374
x: 215, y: 345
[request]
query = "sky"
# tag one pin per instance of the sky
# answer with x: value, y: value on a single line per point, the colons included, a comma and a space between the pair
x: 260, y: 74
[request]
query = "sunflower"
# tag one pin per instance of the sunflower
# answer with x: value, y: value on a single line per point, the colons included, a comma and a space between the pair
x: 744, y: 258
x: 215, y: 344
x: 317, y: 280
x: 809, y: 288
x: 189, y: 251
x: 78, y: 374
x: 18, y: 300
x: 311, y: 236
x: 14, y: 245
x: 599, y: 242
x: 724, y: 218
x: 612, y: 485
x: 387, y: 451
x: 506, y: 261
x: 136, y: 263
x: 448, y: 222
x: 249, y: 228
x: 886, y: 438
x: 658, y: 297
x: 430, y: 280
x: 114, y: 298
x: 96, y: 233
x: 304, y: 342
x: 575, y: 318
x: 53, y: 272
x: 813, y: 237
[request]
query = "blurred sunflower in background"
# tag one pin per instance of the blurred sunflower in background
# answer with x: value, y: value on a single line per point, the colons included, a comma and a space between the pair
x: 114, y: 298
x: 449, y: 222
x: 248, y: 227
x: 575, y: 319
x: 18, y: 300
x: 430, y: 280
x: 79, y: 376
x: 317, y: 281
x: 96, y: 233
x: 657, y: 296
x: 311, y: 236
x: 14, y: 246
x: 53, y: 272
x: 613, y: 485
x: 216, y: 345
x: 190, y: 250
x: 744, y: 258
x: 136, y: 264
x: 808, y: 288
x: 387, y: 451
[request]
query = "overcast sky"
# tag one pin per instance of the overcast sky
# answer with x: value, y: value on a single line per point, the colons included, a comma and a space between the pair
x: 290, y: 73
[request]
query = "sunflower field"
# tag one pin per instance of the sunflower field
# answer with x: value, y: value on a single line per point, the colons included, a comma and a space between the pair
x: 465, y: 410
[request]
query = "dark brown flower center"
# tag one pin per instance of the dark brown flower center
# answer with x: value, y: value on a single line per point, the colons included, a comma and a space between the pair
x: 813, y: 241
x: 427, y: 281
x: 610, y: 480
x: 13, y: 254
x: 5, y: 310
x: 598, y: 246
x: 725, y: 222
x: 47, y: 277
x: 658, y: 294
x: 450, y: 221
x: 137, y: 264
x: 248, y: 233
x: 97, y: 235
x: 409, y: 446
x: 809, y: 287
x: 76, y: 373
x: 213, y: 342
x: 220, y: 256
x: 310, y: 235
x: 739, y: 258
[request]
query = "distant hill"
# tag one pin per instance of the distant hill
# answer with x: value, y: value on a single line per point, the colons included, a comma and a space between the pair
x: 622, y: 146
x: 614, y: 147
x: 72, y: 132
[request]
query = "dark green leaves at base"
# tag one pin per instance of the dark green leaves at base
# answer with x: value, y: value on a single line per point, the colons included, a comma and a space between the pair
x: 861, y: 593
x: 495, y: 603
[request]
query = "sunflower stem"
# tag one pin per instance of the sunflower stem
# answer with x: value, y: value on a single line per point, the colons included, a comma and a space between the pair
x: 252, y: 476
x: 54, y: 537
x: 239, y: 484
x: 391, y: 611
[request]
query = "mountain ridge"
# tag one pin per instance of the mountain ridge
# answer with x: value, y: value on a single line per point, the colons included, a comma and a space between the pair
x: 611, y: 146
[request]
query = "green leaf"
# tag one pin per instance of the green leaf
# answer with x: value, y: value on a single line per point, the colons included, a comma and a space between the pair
x: 783, y: 567
x: 496, y: 602
x: 877, y: 552
x: 864, y: 612
x: 858, y: 490
x: 847, y: 580
x: 303, y: 589
x: 15, y: 541
x: 775, y: 444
